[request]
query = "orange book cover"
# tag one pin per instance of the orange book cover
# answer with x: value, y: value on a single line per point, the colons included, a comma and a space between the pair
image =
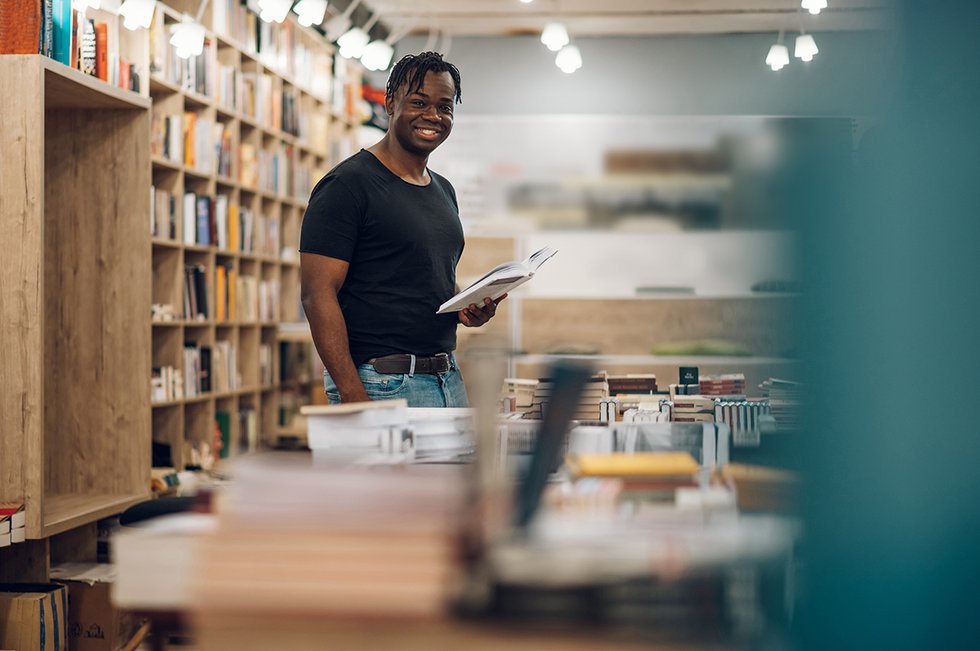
x: 190, y: 121
x: 231, y: 295
x: 222, y: 280
x: 233, y: 234
x: 101, y: 51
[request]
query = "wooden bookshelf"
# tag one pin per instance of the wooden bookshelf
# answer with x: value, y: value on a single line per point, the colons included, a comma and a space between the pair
x: 75, y: 417
x: 83, y: 269
x: 240, y: 93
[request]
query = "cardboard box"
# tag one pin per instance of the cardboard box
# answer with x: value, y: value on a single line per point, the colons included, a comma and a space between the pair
x: 94, y: 624
x: 32, y: 616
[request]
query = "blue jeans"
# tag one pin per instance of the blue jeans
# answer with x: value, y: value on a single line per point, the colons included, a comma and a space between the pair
x: 420, y: 389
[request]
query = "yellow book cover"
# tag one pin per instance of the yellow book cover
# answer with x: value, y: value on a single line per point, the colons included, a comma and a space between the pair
x: 640, y: 464
x: 221, y: 281
x: 190, y: 120
x: 231, y: 295
x: 233, y: 235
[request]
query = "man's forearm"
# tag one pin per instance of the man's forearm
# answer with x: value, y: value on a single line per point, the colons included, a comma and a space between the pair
x: 330, y: 338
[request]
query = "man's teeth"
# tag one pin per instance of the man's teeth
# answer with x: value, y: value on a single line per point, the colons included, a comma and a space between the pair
x: 428, y: 132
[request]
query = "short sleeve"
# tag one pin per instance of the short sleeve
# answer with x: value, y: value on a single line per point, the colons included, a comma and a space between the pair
x: 332, y: 220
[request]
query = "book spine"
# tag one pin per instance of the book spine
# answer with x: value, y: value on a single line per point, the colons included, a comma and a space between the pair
x: 101, y: 51
x: 87, y: 55
x: 63, y: 31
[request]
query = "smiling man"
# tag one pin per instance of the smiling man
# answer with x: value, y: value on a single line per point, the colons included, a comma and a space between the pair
x: 379, y: 247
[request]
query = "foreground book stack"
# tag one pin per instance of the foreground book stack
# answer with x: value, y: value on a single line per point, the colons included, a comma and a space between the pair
x: 293, y: 541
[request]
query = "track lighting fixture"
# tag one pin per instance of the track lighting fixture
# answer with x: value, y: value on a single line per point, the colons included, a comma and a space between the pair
x: 310, y: 12
x: 137, y: 13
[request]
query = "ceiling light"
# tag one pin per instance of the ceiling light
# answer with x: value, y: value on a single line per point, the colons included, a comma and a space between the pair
x: 274, y: 11
x: 778, y: 56
x: 526, y: 2
x: 805, y: 48
x: 138, y: 13
x: 554, y: 36
x: 377, y: 55
x: 187, y: 37
x: 569, y: 59
x: 814, y: 6
x: 353, y: 42
x: 338, y: 25
x: 310, y: 12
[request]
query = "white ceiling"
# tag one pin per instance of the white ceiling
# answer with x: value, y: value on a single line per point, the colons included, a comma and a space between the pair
x: 623, y: 17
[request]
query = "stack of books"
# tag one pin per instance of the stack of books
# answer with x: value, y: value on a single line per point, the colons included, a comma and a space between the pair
x: 647, y: 476
x: 442, y: 434
x: 596, y: 391
x: 693, y: 409
x: 633, y: 389
x: 294, y: 541
x: 730, y: 386
x: 518, y: 394
x: 358, y: 431
x: 12, y: 521
x: 784, y: 403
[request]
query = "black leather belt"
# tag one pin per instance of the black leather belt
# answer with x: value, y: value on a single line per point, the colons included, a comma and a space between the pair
x: 402, y: 363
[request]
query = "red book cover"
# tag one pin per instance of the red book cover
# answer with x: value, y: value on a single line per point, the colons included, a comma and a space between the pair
x: 101, y: 54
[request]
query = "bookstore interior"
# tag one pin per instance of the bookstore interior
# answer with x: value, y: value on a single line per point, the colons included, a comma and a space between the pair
x: 635, y: 184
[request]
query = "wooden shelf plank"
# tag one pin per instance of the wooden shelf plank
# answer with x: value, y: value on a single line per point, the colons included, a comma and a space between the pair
x: 64, y: 512
x: 66, y: 87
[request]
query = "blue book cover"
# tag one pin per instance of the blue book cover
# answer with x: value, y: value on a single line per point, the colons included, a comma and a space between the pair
x: 62, y: 31
x: 203, y: 221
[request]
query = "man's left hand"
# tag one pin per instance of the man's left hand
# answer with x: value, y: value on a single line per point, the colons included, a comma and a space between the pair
x: 475, y: 316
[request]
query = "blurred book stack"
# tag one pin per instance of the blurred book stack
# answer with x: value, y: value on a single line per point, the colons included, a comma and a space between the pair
x: 693, y: 409
x: 729, y: 386
x: 596, y: 390
x: 358, y: 430
x: 518, y: 394
x: 296, y: 542
x: 442, y: 434
x: 647, y: 476
x: 633, y: 389
x: 784, y: 402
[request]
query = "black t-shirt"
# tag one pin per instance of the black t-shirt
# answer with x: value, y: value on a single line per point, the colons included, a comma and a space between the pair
x: 402, y: 242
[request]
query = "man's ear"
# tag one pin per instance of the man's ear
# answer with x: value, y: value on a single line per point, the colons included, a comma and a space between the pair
x: 389, y: 105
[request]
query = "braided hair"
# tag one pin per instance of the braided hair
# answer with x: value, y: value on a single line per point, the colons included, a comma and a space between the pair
x: 412, y: 68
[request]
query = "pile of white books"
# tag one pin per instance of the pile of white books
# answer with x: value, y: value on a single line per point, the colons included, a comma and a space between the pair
x: 359, y: 432
x: 444, y: 434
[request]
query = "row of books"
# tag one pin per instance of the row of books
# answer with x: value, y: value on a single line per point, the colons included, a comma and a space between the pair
x: 220, y: 222
x: 236, y: 297
x: 195, y: 73
x: 53, y: 28
x: 532, y: 396
x: 275, y: 45
x: 210, y: 369
x: 248, y: 431
x: 166, y: 383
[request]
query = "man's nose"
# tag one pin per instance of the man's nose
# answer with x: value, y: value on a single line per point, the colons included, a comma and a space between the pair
x: 431, y: 113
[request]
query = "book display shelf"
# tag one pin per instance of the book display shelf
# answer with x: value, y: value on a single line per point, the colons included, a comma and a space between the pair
x: 239, y: 136
x: 154, y: 236
x: 75, y: 416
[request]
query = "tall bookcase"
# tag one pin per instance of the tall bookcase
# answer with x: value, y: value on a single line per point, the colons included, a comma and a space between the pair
x: 272, y: 111
x: 93, y: 258
x: 74, y: 408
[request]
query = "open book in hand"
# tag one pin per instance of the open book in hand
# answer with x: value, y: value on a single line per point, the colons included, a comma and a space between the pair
x: 498, y: 281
